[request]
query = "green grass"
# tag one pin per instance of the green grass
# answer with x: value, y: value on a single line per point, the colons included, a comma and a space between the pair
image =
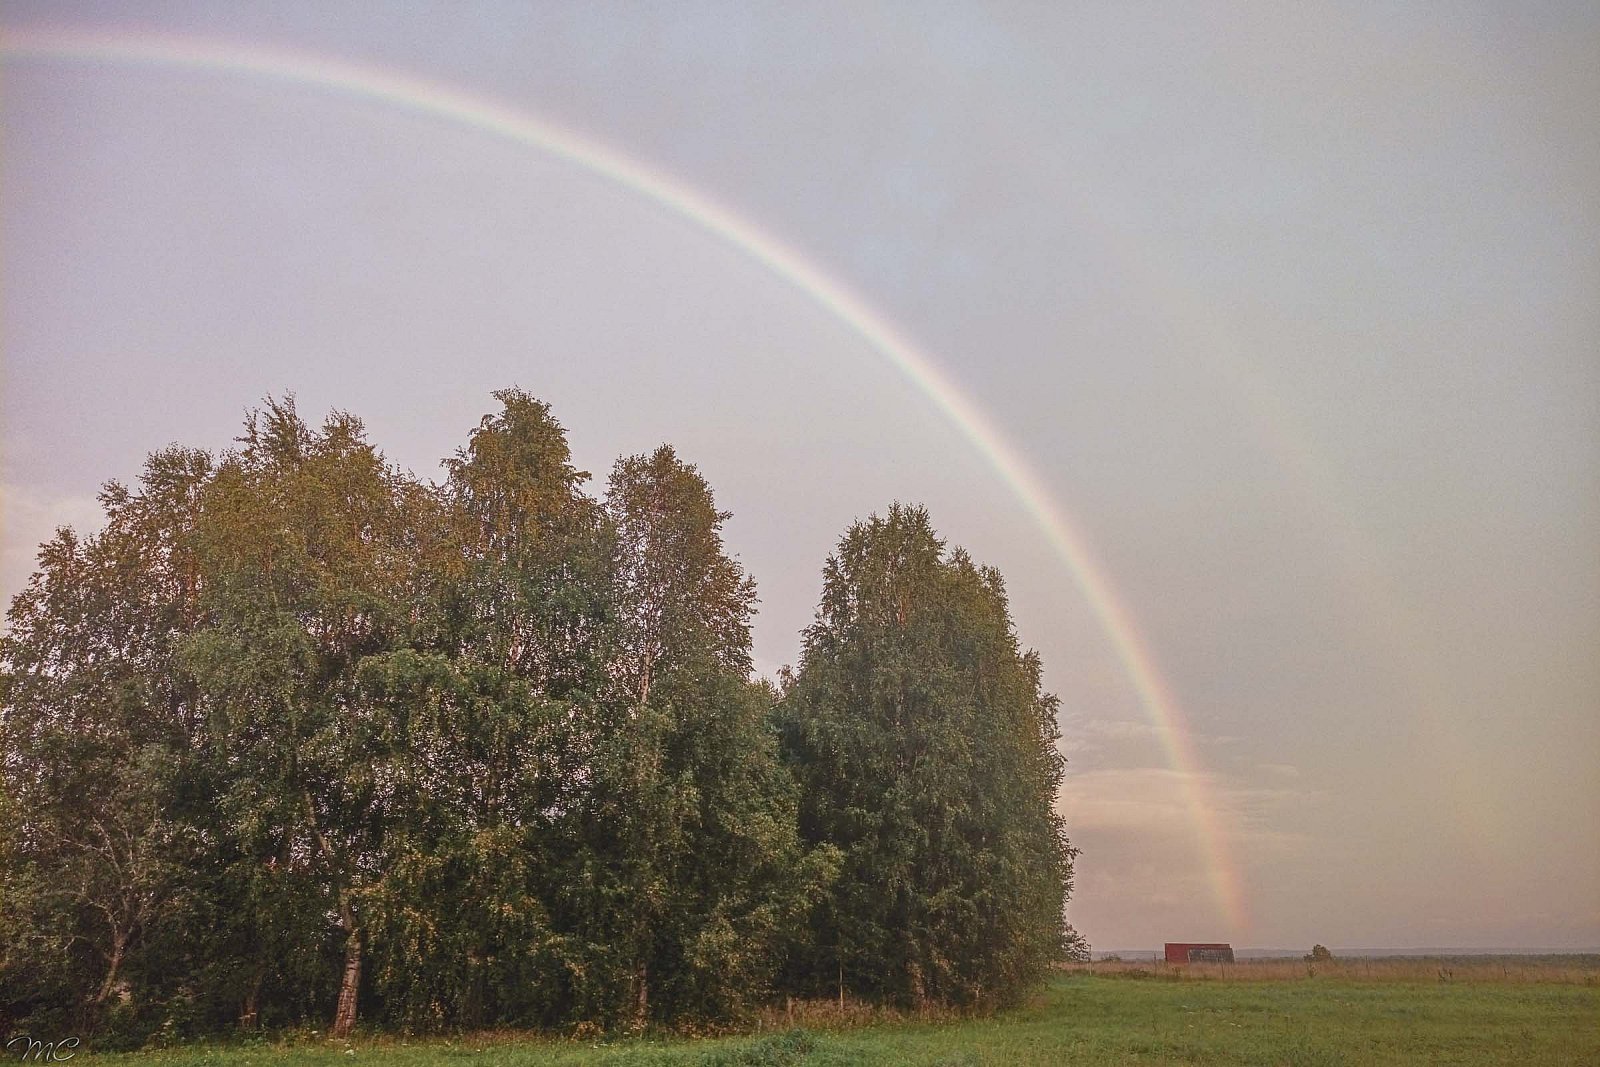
x: 1078, y: 1019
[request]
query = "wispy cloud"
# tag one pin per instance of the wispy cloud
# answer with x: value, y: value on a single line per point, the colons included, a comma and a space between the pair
x: 1143, y: 798
x: 1116, y: 740
x: 1115, y: 728
x: 1144, y: 875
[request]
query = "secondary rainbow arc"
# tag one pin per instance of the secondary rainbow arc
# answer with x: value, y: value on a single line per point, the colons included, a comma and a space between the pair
x: 872, y: 326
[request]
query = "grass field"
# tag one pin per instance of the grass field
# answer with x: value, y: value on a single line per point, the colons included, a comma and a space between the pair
x: 1246, y: 1014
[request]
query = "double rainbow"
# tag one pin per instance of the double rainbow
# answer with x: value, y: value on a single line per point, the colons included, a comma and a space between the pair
x: 451, y: 105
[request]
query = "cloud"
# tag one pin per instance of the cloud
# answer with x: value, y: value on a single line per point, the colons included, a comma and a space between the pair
x: 1160, y: 800
x: 1145, y: 873
x: 1115, y: 728
x: 1125, y: 742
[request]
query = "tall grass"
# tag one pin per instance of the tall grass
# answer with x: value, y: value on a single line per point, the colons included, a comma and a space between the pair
x: 1281, y: 1017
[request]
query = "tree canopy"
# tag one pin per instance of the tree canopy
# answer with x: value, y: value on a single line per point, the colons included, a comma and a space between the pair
x: 299, y: 736
x: 926, y: 752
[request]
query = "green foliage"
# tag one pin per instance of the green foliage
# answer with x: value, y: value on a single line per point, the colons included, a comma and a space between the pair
x: 692, y: 834
x: 531, y: 590
x: 925, y: 749
x: 96, y: 763
x: 300, y: 737
x: 1075, y: 947
x: 1318, y: 954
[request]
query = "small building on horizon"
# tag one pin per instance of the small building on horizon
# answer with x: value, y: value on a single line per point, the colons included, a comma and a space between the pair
x: 1185, y: 952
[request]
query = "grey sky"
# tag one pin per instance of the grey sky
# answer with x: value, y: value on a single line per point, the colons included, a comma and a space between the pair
x: 1295, y: 311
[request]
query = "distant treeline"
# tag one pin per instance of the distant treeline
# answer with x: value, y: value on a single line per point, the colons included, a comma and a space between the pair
x: 301, y: 739
x: 1558, y: 969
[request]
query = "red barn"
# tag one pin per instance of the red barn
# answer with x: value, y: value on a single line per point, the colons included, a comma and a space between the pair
x: 1178, y: 952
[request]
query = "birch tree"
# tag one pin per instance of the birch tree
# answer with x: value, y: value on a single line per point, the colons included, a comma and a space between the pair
x: 926, y: 751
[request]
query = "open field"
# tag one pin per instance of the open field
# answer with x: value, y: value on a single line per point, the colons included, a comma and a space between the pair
x: 1574, y: 969
x: 1098, y: 1015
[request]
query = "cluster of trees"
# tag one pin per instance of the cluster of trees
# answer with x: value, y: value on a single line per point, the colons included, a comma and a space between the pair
x: 298, y: 736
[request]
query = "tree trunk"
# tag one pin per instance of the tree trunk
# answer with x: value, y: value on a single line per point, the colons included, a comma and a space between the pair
x: 644, y: 680
x: 641, y: 1010
x: 344, y: 1016
x: 250, y: 1008
x: 113, y: 964
x: 919, y: 991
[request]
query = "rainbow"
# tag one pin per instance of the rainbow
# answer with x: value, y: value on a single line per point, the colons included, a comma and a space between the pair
x: 975, y: 425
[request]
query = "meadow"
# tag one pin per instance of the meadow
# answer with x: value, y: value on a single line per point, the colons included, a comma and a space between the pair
x: 1348, y: 1012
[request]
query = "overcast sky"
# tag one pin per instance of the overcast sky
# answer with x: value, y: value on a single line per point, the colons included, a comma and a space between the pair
x: 1295, y: 311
